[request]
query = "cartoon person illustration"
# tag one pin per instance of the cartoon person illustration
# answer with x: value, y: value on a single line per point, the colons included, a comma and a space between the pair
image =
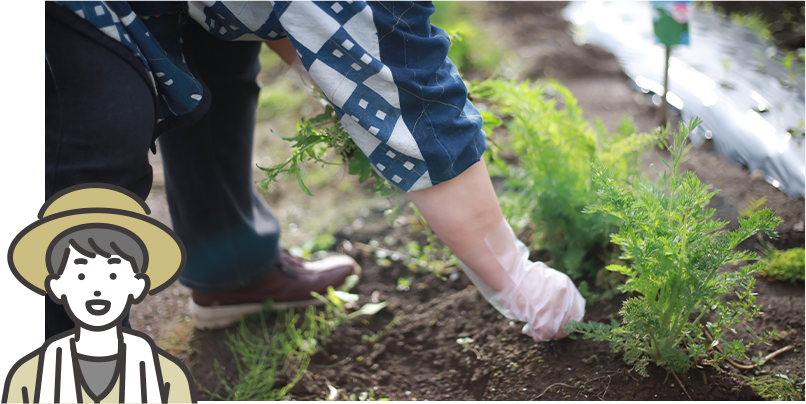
x: 95, y: 250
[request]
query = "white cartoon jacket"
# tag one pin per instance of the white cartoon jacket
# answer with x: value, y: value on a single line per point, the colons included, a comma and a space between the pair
x: 142, y: 373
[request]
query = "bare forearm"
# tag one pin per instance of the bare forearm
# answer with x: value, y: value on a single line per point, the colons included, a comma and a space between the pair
x: 465, y: 214
x: 463, y: 210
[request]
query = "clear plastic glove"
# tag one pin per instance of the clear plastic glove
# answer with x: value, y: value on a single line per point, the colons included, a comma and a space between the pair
x: 543, y: 297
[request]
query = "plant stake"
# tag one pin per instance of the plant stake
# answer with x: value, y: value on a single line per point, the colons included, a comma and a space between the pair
x: 670, y: 20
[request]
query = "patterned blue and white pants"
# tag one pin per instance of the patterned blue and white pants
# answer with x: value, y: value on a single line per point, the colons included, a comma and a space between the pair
x: 383, y: 67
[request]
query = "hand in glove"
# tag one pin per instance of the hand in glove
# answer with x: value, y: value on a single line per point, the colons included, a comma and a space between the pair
x: 464, y: 213
x: 522, y: 290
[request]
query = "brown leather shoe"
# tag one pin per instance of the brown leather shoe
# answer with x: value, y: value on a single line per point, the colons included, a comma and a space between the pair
x: 290, y: 285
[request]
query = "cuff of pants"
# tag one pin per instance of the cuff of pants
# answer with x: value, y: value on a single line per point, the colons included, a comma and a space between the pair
x: 230, y: 261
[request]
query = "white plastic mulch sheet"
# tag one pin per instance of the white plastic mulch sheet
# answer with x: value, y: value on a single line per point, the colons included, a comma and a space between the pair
x: 728, y: 76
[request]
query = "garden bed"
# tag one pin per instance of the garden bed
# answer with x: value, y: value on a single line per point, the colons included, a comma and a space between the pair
x: 419, y: 358
x: 409, y: 350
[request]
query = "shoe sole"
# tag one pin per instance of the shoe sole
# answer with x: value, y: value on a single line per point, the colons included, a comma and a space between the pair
x: 217, y: 317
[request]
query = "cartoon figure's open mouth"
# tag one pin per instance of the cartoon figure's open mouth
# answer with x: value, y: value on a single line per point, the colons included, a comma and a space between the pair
x: 98, y: 307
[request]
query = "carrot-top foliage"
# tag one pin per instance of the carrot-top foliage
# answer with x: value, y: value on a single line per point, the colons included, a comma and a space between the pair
x: 551, y: 182
x: 676, y: 253
x: 323, y: 140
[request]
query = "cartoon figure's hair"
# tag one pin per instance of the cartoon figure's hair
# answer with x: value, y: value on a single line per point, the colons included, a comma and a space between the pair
x: 97, y: 239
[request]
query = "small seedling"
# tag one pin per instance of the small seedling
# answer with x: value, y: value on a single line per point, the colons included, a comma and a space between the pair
x: 753, y: 206
x: 430, y: 256
x: 271, y: 361
x: 317, y: 244
x: 403, y: 284
x: 785, y: 266
x: 779, y: 387
x: 375, y: 337
x: 467, y: 346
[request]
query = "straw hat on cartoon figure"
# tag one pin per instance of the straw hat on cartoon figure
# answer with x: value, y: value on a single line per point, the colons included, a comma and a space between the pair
x: 95, y: 250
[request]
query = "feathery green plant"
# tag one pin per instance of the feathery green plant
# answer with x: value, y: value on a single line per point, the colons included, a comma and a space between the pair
x: 779, y: 387
x: 554, y: 145
x: 271, y: 361
x: 784, y: 266
x: 676, y: 253
x: 755, y: 22
x: 312, y: 143
x: 470, y: 50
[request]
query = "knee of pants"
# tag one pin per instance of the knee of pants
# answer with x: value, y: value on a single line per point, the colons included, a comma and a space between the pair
x: 100, y: 114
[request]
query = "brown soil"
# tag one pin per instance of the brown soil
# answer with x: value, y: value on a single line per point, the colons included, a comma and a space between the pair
x: 419, y: 357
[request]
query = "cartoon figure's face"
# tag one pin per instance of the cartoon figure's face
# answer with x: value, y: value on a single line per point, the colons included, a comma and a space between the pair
x: 97, y: 290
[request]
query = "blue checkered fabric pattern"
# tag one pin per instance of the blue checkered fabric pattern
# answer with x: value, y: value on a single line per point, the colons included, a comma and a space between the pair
x: 238, y: 20
x: 385, y: 70
x: 178, y: 91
